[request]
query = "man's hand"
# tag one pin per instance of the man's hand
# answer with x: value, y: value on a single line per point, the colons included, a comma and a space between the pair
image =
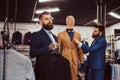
x: 76, y: 41
x: 53, y: 46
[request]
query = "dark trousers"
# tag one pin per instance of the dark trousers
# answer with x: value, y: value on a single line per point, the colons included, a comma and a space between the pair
x: 96, y: 74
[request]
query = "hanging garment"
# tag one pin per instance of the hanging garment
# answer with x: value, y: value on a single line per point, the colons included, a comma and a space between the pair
x: 108, y: 72
x: 52, y: 67
x: 26, y: 40
x: 17, y: 38
x: 18, y: 66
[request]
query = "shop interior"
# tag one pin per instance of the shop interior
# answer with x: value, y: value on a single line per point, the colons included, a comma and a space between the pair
x: 21, y: 16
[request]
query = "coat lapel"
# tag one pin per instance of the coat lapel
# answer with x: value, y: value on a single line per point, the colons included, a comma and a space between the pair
x: 45, y: 35
x: 67, y: 38
x: 95, y: 41
x: 75, y: 36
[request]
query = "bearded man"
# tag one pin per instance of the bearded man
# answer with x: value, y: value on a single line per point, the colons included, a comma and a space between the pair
x: 43, y: 42
x: 96, y: 58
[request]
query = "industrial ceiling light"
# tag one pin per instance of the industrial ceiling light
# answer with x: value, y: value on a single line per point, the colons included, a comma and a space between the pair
x: 49, y: 0
x: 96, y: 21
x: 114, y: 15
x: 36, y: 19
x: 44, y: 0
x: 49, y: 10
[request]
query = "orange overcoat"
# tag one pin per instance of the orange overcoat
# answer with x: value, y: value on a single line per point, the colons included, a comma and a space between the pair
x: 70, y: 51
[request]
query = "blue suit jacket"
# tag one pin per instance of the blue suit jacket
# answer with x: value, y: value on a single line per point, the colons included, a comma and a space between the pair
x: 39, y: 43
x: 96, y: 58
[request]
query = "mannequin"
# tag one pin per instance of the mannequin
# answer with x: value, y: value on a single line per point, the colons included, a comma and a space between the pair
x: 68, y: 49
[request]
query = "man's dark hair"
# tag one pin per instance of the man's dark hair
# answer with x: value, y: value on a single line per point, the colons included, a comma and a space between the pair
x: 43, y: 13
x: 101, y: 29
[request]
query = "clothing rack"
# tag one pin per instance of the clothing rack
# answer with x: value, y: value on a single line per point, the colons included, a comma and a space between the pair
x: 112, y: 70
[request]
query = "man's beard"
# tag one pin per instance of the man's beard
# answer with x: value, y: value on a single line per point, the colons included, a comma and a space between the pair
x: 95, y: 36
x: 48, y: 26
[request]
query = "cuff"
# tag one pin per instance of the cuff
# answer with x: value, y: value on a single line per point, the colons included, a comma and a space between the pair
x: 79, y: 45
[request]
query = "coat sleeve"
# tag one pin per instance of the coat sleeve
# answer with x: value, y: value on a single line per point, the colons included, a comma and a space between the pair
x: 59, y: 43
x: 81, y: 56
x: 96, y: 46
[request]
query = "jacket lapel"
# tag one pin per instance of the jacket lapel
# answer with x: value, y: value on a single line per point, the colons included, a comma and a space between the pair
x: 75, y: 36
x: 45, y: 35
x: 95, y: 40
x: 67, y: 38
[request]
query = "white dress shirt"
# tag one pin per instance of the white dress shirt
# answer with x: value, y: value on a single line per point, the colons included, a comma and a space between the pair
x: 80, y: 45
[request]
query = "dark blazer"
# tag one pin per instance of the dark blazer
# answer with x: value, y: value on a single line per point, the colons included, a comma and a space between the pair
x: 53, y: 67
x: 39, y: 43
x: 96, y: 58
x: 39, y: 47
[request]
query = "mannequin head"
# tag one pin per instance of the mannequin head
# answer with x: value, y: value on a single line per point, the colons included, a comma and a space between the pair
x: 70, y: 21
